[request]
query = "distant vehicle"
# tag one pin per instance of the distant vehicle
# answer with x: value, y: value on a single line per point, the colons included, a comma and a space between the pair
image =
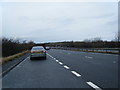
x: 37, y: 51
x: 47, y: 48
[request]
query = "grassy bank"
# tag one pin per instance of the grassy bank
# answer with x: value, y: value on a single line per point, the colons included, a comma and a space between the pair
x: 12, y: 57
x: 100, y: 52
x: 93, y: 51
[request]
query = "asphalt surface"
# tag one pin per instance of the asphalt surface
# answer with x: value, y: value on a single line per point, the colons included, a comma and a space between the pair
x: 6, y: 66
x: 65, y: 69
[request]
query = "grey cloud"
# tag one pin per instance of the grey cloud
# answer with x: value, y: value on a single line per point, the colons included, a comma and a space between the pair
x: 57, y: 22
x: 109, y: 15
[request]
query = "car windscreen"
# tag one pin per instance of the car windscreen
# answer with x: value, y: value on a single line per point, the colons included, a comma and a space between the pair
x: 37, y: 48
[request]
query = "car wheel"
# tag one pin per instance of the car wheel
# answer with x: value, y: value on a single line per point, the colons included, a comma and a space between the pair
x: 45, y: 57
x: 31, y: 58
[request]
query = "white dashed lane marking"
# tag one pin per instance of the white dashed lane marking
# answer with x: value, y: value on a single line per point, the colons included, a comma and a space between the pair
x: 66, y: 67
x: 94, y: 86
x: 56, y: 60
x: 49, y: 55
x: 75, y: 73
x: 88, y: 57
x: 60, y: 63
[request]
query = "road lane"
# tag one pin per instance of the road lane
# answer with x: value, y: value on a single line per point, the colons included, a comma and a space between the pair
x: 10, y: 64
x: 42, y: 74
x: 99, y: 68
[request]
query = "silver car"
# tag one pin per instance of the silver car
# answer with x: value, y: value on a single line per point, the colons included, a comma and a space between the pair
x: 47, y: 48
x: 37, y: 51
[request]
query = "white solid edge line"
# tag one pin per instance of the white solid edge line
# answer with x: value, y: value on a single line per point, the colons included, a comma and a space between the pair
x: 13, y: 65
x: 75, y: 73
x: 94, y: 86
x: 66, y: 67
x: 22, y: 61
x: 60, y: 63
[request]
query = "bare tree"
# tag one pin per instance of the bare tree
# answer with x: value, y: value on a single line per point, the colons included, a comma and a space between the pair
x: 117, y: 36
x: 97, y: 39
x: 117, y: 39
x: 87, y: 40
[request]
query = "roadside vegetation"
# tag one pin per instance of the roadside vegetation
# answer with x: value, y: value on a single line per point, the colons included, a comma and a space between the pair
x: 87, y: 43
x: 12, y: 57
x: 14, y: 48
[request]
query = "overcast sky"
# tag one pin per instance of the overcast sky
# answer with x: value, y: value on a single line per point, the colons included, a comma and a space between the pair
x: 48, y: 22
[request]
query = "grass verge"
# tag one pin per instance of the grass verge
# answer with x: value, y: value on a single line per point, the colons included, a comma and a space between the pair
x: 93, y: 51
x: 10, y: 58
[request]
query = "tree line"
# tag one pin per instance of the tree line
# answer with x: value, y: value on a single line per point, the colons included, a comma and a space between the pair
x: 13, y: 46
x: 87, y: 43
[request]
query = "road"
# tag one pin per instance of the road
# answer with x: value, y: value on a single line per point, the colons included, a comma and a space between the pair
x: 65, y: 69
